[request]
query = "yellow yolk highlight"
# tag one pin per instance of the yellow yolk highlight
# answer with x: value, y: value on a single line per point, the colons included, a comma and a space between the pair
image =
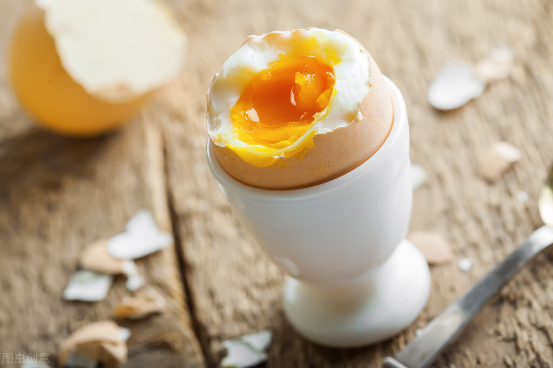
x: 280, y: 104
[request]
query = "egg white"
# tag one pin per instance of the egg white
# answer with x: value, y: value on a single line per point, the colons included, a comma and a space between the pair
x: 351, y: 71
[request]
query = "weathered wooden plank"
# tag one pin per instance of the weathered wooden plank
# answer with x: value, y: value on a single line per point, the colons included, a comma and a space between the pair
x: 58, y: 195
x: 236, y: 289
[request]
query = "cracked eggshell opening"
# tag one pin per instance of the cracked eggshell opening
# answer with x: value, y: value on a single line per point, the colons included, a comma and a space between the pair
x: 85, y: 67
x: 335, y: 152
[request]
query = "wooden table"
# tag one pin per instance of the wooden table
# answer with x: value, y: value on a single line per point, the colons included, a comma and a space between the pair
x: 57, y: 195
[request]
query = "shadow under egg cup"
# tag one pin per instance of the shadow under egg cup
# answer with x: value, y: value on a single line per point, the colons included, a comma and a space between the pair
x: 354, y: 279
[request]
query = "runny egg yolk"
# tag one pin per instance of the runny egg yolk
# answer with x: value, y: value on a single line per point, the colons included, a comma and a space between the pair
x: 281, y: 103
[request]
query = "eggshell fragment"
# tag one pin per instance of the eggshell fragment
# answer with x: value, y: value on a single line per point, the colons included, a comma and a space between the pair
x: 85, y: 67
x: 96, y: 258
x: 497, y: 159
x: 522, y: 196
x: 260, y: 340
x: 465, y: 264
x: 120, y: 50
x: 418, y: 176
x: 455, y: 85
x: 134, y: 282
x: 247, y: 351
x: 498, y: 65
x: 85, y: 285
x: 335, y: 153
x: 150, y: 302
x: 142, y: 237
x: 434, y: 247
x: 101, y: 341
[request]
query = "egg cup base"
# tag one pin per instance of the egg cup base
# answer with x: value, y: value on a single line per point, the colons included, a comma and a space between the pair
x: 384, y: 302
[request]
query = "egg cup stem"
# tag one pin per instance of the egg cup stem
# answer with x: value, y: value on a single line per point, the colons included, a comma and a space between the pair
x: 354, y: 280
x: 378, y: 306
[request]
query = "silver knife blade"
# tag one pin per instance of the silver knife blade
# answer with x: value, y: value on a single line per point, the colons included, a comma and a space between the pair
x: 439, y: 333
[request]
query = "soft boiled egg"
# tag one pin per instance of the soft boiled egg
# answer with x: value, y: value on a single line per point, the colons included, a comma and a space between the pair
x: 295, y: 109
x: 84, y: 67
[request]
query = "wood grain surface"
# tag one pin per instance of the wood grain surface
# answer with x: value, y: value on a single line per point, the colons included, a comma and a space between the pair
x: 57, y: 194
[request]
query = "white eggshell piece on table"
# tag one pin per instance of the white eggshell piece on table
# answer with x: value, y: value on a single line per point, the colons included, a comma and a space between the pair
x: 260, y: 340
x: 134, y: 279
x: 455, y: 85
x: 433, y: 246
x: 497, y: 159
x: 497, y: 66
x: 241, y: 355
x: 522, y: 196
x: 418, y: 176
x: 141, y: 238
x: 134, y: 282
x: 465, y: 264
x: 247, y: 351
x: 124, y: 334
x: 85, y: 285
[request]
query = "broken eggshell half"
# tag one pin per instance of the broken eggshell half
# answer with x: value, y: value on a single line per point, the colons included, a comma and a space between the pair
x: 85, y: 75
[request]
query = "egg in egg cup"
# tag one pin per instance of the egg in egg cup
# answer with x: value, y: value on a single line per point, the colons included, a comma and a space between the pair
x: 309, y: 143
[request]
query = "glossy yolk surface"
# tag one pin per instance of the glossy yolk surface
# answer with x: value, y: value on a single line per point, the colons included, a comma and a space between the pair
x: 281, y: 103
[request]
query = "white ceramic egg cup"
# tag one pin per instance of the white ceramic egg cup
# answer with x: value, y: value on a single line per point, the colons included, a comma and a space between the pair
x: 354, y: 279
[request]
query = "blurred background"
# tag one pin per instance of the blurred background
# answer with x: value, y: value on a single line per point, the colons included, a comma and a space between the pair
x: 59, y: 194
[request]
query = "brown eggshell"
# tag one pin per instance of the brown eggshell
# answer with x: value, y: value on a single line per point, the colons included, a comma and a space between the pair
x: 149, y: 302
x: 89, y: 339
x: 334, y: 154
x: 434, y: 246
x: 96, y: 258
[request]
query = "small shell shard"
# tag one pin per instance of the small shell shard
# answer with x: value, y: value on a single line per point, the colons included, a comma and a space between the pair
x: 141, y: 306
x: 497, y: 66
x: 465, y: 264
x: 418, y: 176
x: 260, y: 340
x: 87, y: 286
x: 247, y: 351
x: 497, y: 159
x: 134, y: 282
x: 455, y: 85
x: 96, y: 258
x: 433, y: 246
x: 101, y: 341
x: 522, y: 196
x: 141, y: 238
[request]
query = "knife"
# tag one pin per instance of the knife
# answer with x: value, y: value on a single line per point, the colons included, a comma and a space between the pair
x: 441, y: 331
